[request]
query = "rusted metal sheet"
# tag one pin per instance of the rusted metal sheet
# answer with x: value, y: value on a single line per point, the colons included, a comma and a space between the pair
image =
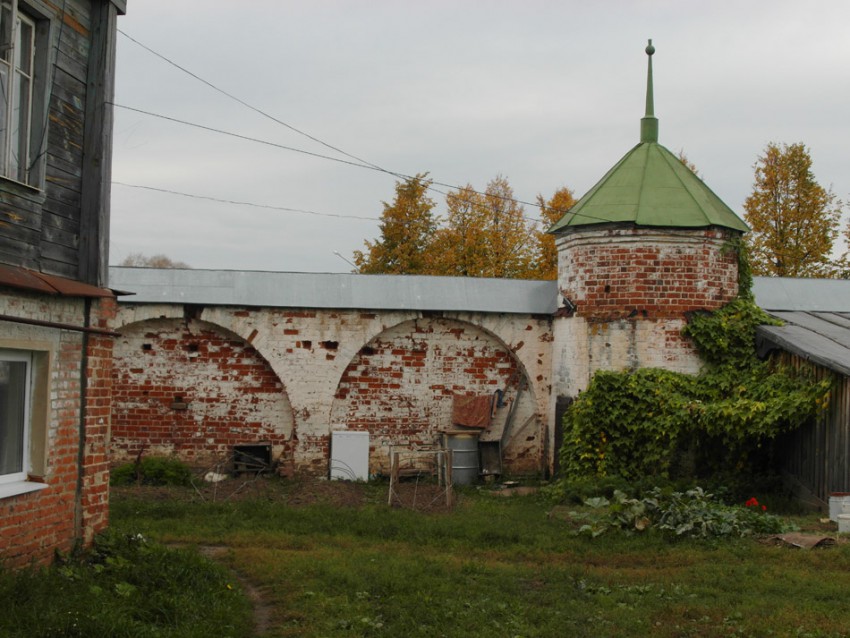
x: 24, y: 279
x: 72, y: 288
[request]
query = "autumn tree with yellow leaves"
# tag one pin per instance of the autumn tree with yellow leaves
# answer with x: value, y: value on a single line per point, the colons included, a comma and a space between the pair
x: 794, y: 220
x: 484, y: 234
x: 459, y: 248
x: 407, y: 227
x: 546, y: 266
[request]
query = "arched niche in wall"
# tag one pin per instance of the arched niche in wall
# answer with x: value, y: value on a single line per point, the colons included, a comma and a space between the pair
x: 194, y: 389
x: 400, y: 388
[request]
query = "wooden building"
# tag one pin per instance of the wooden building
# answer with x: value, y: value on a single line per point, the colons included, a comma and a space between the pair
x: 57, y: 65
x: 815, y: 334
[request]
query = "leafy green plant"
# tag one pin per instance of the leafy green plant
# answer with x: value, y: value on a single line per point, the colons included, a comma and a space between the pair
x: 653, y: 422
x: 691, y: 514
x: 152, y: 470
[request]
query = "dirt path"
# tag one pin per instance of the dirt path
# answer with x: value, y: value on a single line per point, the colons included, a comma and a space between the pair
x: 262, y: 610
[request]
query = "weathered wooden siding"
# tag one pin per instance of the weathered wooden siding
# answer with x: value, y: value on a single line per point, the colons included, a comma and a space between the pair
x: 817, y: 456
x: 60, y: 240
x: 40, y: 226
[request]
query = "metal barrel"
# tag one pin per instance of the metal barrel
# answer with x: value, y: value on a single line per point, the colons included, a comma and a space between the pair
x: 464, y: 447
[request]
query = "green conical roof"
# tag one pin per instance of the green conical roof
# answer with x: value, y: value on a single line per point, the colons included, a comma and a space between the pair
x: 651, y: 187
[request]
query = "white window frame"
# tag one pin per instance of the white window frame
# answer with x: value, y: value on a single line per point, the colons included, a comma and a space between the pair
x: 16, y: 143
x: 19, y: 356
x: 21, y: 482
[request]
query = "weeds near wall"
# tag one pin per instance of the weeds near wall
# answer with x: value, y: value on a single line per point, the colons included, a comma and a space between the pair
x: 152, y: 470
x: 125, y: 586
x: 495, y: 567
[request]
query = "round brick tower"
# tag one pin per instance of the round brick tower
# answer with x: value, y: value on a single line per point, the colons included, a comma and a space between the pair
x: 647, y: 244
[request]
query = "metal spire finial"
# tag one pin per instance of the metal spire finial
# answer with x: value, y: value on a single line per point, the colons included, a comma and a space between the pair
x: 649, y: 123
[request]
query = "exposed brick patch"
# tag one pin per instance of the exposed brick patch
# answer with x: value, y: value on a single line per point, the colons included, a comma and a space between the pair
x: 230, y: 393
x: 94, y: 510
x: 400, y: 387
x: 619, y: 273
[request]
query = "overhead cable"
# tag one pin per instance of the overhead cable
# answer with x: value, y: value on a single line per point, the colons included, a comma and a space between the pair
x: 357, y: 164
x: 241, y: 203
x: 246, y: 104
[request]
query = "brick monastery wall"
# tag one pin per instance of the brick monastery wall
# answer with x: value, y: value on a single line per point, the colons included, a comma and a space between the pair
x: 194, y: 390
x: 632, y: 288
x: 619, y: 273
x: 306, y: 372
x: 36, y: 524
x: 392, y: 373
x: 400, y: 387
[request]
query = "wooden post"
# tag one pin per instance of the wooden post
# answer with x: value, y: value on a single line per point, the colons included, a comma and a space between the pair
x: 449, y: 484
x: 393, y: 476
x: 97, y: 146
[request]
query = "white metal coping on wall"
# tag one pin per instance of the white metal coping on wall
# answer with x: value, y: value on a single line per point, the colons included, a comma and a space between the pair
x: 334, y: 290
x: 411, y: 292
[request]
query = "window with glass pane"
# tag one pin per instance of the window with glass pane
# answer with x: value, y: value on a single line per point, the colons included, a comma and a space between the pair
x: 14, y: 414
x: 17, y: 50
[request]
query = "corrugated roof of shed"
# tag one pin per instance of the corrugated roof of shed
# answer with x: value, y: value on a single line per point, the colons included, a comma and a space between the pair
x: 334, y: 290
x: 815, y: 315
x: 789, y: 293
x: 820, y: 337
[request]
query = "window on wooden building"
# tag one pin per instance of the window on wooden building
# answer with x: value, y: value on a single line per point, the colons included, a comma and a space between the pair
x: 18, y: 36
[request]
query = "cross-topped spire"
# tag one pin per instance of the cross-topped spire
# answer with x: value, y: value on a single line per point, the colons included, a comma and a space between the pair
x: 649, y: 123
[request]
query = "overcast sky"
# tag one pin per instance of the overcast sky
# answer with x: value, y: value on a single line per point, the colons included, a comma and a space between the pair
x: 545, y: 93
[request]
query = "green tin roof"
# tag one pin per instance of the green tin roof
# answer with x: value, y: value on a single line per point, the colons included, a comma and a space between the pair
x: 650, y: 186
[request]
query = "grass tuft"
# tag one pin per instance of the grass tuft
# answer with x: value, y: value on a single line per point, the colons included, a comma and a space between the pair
x: 125, y: 586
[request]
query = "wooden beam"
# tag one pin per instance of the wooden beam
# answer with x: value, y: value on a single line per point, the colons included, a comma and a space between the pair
x: 97, y: 145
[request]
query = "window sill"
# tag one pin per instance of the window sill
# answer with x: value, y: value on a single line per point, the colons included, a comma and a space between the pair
x: 17, y: 488
x: 27, y: 191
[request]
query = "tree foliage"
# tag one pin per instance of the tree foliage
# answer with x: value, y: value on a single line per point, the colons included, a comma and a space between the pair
x: 159, y: 260
x: 483, y: 234
x: 407, y: 228
x: 459, y: 248
x: 684, y: 159
x: 794, y: 220
x: 546, y: 265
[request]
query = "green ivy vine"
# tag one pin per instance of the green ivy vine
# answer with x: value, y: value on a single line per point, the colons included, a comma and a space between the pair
x: 657, y: 422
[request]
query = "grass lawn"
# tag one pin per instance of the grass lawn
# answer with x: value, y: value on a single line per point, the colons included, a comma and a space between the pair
x: 496, y: 567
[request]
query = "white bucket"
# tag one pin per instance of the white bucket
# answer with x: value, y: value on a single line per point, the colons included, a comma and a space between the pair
x: 844, y: 523
x: 839, y: 503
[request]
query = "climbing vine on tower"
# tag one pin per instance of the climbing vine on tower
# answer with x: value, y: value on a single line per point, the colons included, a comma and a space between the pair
x: 658, y: 422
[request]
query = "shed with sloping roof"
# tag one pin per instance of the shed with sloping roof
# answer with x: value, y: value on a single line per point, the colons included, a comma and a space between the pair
x: 815, y: 332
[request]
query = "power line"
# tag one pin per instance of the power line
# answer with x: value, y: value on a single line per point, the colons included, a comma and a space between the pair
x: 241, y: 203
x: 251, y: 139
x: 359, y: 162
x: 246, y: 104
x: 339, y: 160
